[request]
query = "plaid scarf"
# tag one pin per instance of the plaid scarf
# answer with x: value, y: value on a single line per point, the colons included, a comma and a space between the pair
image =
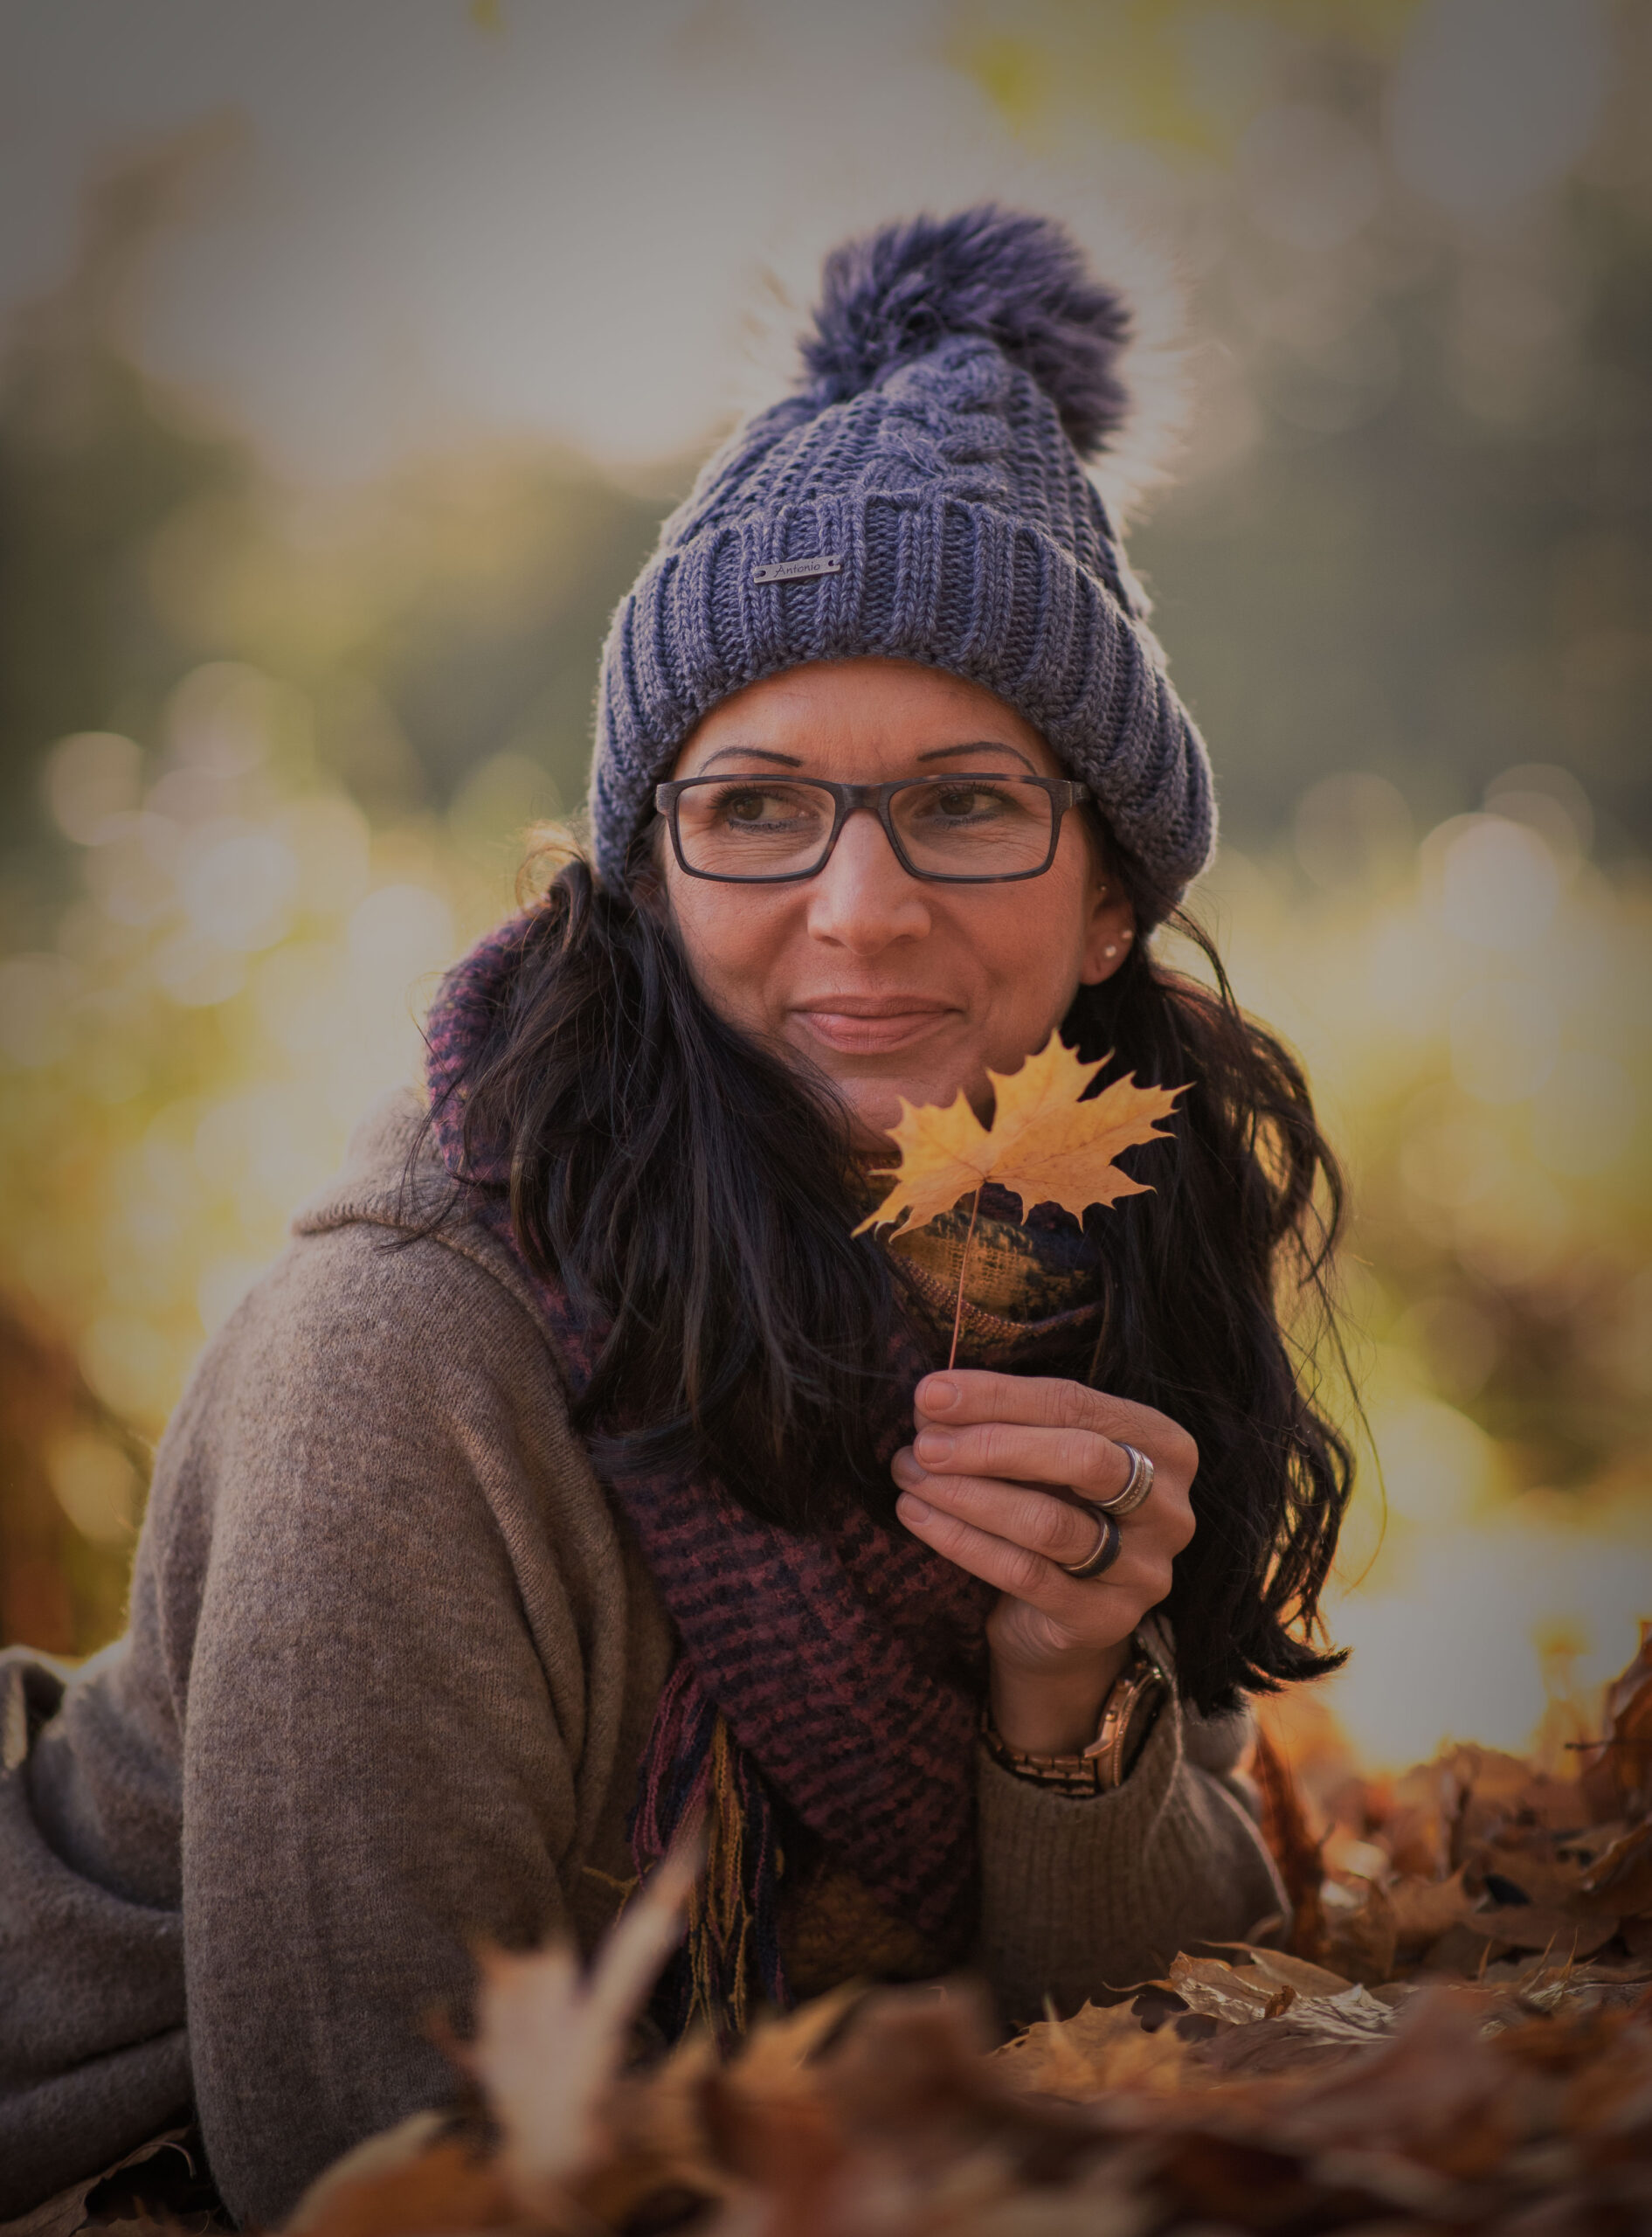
x: 837, y: 1676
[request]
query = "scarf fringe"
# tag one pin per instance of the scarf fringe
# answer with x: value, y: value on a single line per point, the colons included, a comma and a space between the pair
x: 696, y: 1770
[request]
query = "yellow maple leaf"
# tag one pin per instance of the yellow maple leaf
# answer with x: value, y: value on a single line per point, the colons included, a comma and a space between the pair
x: 1044, y: 1145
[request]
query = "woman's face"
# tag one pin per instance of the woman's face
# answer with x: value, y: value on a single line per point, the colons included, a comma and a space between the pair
x: 890, y: 984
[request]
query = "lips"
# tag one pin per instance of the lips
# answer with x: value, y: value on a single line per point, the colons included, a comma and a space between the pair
x: 870, y: 1024
x: 874, y: 1006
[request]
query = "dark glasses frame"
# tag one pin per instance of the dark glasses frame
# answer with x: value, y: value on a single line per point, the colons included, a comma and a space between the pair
x: 1062, y: 792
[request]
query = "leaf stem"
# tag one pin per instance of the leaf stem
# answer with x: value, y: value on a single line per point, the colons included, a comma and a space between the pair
x: 957, y: 1317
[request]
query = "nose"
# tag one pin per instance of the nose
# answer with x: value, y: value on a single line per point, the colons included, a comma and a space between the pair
x: 863, y: 900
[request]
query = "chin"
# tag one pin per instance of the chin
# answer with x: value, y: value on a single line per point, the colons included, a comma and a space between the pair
x: 875, y: 1105
x: 872, y: 1113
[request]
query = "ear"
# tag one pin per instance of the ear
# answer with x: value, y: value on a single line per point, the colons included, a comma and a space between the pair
x: 1110, y: 932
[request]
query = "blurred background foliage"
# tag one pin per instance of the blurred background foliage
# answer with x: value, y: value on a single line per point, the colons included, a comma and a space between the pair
x: 269, y: 749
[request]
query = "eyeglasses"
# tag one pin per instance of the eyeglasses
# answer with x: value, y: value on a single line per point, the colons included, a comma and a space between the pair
x: 959, y: 830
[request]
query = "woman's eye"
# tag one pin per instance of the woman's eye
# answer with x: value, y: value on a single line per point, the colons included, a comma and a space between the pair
x: 754, y: 804
x: 962, y: 802
x: 762, y: 808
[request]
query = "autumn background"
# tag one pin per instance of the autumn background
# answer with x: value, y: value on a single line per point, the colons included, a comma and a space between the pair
x: 351, y: 359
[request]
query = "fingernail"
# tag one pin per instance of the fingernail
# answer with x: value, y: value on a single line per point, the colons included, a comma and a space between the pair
x: 933, y: 1444
x: 911, y: 1508
x: 938, y: 1394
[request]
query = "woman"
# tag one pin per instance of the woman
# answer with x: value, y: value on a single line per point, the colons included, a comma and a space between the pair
x: 579, y: 1470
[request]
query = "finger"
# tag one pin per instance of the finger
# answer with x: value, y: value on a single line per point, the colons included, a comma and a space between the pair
x: 1096, y: 1467
x: 1084, y: 1608
x: 1056, y: 1530
x: 1020, y: 1515
x: 1015, y: 1570
x: 958, y: 1396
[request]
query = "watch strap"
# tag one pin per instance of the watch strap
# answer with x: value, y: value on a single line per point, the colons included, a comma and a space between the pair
x: 1127, y: 1717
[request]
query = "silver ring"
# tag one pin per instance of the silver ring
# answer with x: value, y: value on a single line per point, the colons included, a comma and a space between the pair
x: 1136, y: 1486
x: 1104, y: 1552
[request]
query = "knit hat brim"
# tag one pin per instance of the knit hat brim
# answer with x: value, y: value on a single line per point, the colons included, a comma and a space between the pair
x: 936, y: 579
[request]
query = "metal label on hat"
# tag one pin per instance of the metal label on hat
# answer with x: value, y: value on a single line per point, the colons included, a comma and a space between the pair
x: 796, y: 570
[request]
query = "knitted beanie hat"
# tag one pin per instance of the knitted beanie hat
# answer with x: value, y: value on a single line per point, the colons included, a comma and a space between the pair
x: 921, y: 496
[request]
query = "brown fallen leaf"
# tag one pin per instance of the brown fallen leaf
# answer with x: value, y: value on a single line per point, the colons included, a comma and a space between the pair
x: 1285, y: 1970
x: 1102, y: 2047
x: 1608, y: 2060
x: 1623, y: 1875
x: 1617, y: 1771
x: 701, y: 2126
x: 1424, y: 1909
x: 1543, y: 1986
x: 1435, y: 2089
x: 65, y: 2212
x: 1216, y: 1989
x: 762, y: 2113
x: 1498, y: 1793
x: 1546, y: 1866
x: 1533, y: 1926
x: 1043, y: 1145
x: 551, y: 2036
x: 1361, y: 1935
x: 1416, y: 1821
x: 1310, y: 2030
x: 407, y: 2182
x: 1299, y: 1855
x: 902, y: 2124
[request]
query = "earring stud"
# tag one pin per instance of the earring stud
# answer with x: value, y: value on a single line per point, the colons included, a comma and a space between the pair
x: 1110, y: 953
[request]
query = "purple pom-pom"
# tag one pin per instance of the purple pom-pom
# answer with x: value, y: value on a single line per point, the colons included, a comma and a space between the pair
x: 1019, y: 280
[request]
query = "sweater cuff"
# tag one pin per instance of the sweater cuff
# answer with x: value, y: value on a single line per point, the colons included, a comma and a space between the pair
x: 1084, y: 1898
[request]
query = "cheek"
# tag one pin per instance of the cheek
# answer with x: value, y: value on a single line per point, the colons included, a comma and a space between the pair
x: 1035, y: 939
x: 730, y: 949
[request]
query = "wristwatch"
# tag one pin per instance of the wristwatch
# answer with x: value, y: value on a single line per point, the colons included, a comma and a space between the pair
x: 1128, y: 1714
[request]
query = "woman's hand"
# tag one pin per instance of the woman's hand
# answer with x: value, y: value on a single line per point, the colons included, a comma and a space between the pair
x: 972, y: 1487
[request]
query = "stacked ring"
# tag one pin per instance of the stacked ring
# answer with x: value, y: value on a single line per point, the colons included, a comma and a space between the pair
x: 1105, y: 1551
x: 1136, y: 1486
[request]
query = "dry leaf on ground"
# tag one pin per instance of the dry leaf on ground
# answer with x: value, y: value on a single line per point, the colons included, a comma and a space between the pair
x: 1623, y: 1875
x: 1424, y: 1909
x: 551, y: 2037
x: 1102, y: 2047
x: 1617, y: 1775
x: 408, y: 2182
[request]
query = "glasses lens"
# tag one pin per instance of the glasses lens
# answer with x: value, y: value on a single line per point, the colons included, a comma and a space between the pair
x: 751, y: 827
x: 974, y: 827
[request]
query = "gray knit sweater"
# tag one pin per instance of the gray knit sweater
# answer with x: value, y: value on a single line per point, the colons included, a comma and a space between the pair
x: 391, y: 1662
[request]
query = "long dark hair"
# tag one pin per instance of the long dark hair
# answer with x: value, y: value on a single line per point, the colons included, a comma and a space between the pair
x: 695, y: 1195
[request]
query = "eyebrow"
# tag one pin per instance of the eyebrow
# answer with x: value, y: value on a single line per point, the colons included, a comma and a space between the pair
x: 977, y: 745
x: 756, y: 753
x: 933, y: 754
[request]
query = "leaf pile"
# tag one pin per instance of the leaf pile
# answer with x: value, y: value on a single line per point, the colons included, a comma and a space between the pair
x: 1461, y: 2041
x: 1477, y: 1864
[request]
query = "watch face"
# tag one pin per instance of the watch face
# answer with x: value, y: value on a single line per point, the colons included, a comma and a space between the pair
x: 1128, y: 1717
